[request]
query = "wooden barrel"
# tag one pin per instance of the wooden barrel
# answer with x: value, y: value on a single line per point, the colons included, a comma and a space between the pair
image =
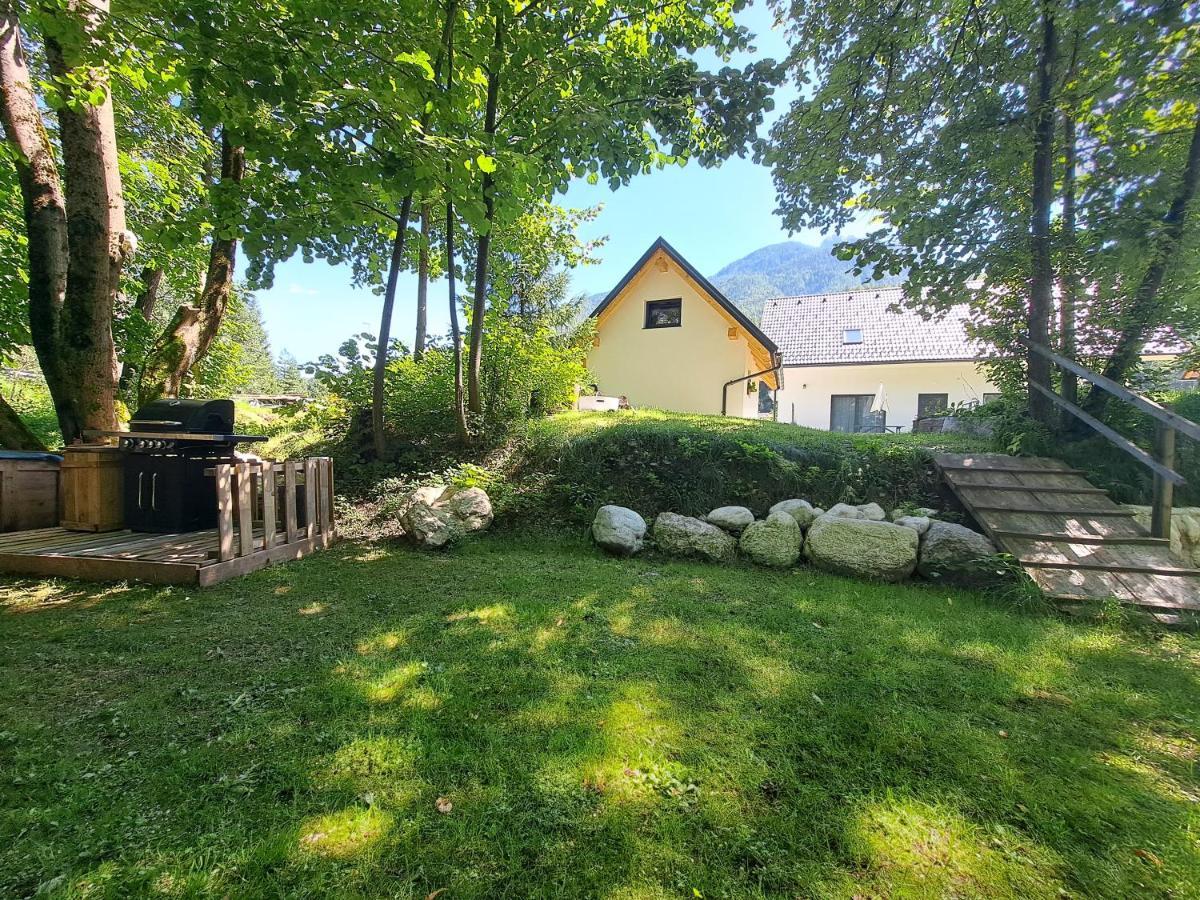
x: 93, y: 496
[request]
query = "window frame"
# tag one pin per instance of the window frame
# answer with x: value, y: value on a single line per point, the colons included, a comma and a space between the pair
x: 876, y: 420
x: 652, y: 304
x: 846, y: 332
x: 945, y: 408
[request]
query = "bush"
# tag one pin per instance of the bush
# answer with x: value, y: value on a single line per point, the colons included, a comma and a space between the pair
x: 652, y: 461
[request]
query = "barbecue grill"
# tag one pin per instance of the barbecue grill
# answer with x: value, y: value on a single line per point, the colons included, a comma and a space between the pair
x: 167, y: 448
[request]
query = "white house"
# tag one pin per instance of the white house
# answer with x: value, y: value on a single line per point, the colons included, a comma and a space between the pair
x: 844, y: 361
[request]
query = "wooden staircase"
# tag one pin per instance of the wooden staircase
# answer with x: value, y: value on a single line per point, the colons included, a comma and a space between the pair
x: 1076, y: 544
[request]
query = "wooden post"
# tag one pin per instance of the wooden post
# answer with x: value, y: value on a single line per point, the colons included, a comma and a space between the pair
x: 245, y: 510
x: 269, y: 507
x: 225, y: 511
x: 289, y: 501
x: 310, y: 496
x: 1164, y: 490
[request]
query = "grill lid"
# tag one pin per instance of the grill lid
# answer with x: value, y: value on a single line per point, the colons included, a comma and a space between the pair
x: 188, y: 416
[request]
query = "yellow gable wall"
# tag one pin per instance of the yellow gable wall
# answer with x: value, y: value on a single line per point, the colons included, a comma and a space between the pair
x: 806, y: 396
x: 680, y: 369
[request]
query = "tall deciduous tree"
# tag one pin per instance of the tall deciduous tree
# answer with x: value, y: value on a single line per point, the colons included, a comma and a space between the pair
x: 77, y: 242
x: 938, y: 120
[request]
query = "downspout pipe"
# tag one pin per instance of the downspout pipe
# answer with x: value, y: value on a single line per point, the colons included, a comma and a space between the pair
x: 778, y: 360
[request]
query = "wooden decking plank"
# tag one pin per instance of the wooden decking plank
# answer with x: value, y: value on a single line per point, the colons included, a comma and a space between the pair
x: 1136, y: 539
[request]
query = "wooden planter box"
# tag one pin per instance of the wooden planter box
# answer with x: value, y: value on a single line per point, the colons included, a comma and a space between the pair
x: 28, y: 491
x: 93, y: 480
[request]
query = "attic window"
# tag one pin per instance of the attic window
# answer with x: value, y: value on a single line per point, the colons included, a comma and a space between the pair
x: 664, y: 313
x: 852, y: 336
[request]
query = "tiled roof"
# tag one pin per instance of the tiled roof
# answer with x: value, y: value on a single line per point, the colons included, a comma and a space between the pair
x: 811, y: 330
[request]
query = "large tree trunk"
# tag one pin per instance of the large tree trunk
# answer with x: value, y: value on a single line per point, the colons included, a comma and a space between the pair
x: 1139, y: 317
x: 14, y: 435
x: 385, y: 328
x: 1041, y: 285
x: 423, y: 284
x: 193, y: 328
x: 45, y: 208
x: 483, y: 244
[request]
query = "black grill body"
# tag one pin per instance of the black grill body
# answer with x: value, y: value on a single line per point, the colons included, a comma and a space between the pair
x: 169, y: 446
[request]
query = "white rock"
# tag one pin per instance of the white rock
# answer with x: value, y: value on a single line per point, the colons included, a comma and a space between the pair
x: 685, y: 536
x: 619, y: 530
x: 733, y: 519
x: 872, y: 511
x: 844, y: 511
x: 471, y: 506
x: 957, y: 555
x: 776, y: 541
x: 436, y: 516
x: 800, y: 510
x: 920, y: 523
x: 862, y: 547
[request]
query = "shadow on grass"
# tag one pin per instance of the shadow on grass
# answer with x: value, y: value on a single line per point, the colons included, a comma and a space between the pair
x: 524, y: 718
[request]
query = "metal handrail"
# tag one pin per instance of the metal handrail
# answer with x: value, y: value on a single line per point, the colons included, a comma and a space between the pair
x: 1167, y: 424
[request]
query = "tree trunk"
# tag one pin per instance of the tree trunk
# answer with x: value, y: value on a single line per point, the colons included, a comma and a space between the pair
x: 193, y: 328
x: 483, y: 244
x: 1140, y: 314
x: 1069, y: 275
x: 423, y: 284
x: 385, y: 328
x: 1041, y: 285
x: 14, y: 435
x: 460, y: 408
x: 45, y: 208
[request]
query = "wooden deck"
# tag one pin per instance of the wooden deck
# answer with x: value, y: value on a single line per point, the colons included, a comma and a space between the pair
x: 267, y: 513
x: 1074, y: 542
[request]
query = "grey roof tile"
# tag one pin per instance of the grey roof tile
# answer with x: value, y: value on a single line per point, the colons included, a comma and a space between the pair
x: 810, y: 330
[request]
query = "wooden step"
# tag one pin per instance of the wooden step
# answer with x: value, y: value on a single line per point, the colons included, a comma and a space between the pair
x: 1062, y: 537
x: 1033, y: 489
x: 1114, y: 510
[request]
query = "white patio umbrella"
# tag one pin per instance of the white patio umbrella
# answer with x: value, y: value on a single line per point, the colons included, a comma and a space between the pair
x: 880, y: 404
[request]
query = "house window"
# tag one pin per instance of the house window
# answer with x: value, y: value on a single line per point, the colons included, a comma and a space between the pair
x: 852, y: 336
x: 664, y: 313
x: 852, y: 413
x: 988, y: 396
x: 932, y: 404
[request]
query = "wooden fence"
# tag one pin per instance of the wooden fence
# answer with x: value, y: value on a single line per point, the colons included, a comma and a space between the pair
x: 265, y: 507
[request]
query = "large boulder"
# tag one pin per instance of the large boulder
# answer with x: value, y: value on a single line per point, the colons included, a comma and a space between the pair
x: 957, y: 555
x: 862, y: 547
x: 733, y: 519
x: 775, y: 541
x: 684, y: 536
x: 436, y: 516
x: 844, y: 511
x: 872, y: 511
x: 800, y: 510
x: 619, y: 530
x: 470, y: 506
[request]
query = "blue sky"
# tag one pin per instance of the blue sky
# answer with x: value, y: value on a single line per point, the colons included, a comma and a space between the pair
x: 712, y: 216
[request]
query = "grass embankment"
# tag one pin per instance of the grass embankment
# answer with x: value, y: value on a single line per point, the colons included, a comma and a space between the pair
x: 591, y: 728
x: 652, y: 461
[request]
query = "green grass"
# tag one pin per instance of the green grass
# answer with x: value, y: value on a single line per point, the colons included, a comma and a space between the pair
x: 602, y: 728
x: 652, y: 461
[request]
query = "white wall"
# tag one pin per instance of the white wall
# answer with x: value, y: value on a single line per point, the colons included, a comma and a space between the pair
x: 808, y: 389
x: 680, y: 369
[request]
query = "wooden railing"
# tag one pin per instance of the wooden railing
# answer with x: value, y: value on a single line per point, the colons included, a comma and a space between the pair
x: 273, y: 504
x: 1167, y: 423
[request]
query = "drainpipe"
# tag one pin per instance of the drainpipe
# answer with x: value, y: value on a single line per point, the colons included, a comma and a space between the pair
x: 778, y: 360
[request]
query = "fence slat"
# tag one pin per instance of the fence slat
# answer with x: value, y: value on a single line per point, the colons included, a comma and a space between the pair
x: 224, y: 512
x: 310, y: 496
x: 329, y: 483
x: 289, y: 501
x: 269, y: 507
x: 245, y: 510
x: 323, y: 496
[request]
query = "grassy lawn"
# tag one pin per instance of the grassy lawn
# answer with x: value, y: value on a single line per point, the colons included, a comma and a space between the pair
x: 589, y: 728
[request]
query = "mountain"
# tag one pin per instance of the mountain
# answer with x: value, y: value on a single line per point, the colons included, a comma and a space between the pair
x: 787, y: 269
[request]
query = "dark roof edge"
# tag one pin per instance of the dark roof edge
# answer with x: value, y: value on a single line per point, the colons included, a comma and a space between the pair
x: 709, y: 287
x: 889, y: 362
